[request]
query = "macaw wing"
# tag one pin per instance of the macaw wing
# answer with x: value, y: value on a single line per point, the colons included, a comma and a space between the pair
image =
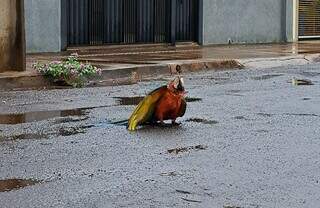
x: 183, y: 108
x: 145, y: 109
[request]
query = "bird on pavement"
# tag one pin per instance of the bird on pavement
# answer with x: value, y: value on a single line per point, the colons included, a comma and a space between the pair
x: 164, y: 103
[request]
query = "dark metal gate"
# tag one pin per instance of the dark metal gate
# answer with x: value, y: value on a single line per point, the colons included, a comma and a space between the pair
x: 97, y: 22
x: 309, y: 19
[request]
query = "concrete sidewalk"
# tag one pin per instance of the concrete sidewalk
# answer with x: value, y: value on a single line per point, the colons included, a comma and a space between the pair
x: 131, y: 63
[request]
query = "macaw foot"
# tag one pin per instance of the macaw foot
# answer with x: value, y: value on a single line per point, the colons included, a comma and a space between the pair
x: 174, y: 123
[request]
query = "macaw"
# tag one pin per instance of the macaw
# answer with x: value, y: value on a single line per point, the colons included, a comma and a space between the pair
x: 165, y: 103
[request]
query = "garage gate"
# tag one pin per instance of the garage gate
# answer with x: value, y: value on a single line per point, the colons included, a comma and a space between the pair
x: 98, y: 22
x: 309, y: 19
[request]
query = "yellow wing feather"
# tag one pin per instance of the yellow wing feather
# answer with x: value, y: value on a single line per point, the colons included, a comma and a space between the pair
x: 145, y: 109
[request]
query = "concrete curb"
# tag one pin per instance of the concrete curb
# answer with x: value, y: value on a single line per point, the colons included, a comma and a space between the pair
x: 118, y: 76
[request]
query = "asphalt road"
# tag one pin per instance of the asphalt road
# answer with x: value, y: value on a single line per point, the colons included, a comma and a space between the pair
x: 249, y: 139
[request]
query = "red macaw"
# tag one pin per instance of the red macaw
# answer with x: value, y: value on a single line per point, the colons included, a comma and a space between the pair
x: 164, y: 103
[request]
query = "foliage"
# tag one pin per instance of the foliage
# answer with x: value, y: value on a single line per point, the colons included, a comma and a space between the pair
x: 71, y: 71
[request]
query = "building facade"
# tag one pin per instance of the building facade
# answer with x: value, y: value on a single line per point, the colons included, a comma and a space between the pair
x: 54, y: 25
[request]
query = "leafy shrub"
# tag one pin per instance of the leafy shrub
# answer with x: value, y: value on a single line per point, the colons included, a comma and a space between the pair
x: 71, y: 71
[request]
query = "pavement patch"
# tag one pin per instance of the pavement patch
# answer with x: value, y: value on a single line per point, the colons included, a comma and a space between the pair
x: 202, y: 120
x: 70, y: 131
x: 192, y: 99
x: 186, y: 149
x: 266, y: 76
x: 310, y: 74
x: 191, y: 200
x: 183, y: 192
x: 34, y: 136
x: 128, y: 101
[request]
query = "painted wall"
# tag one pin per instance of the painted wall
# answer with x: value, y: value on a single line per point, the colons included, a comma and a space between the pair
x: 241, y: 21
x: 43, y: 25
x: 247, y: 21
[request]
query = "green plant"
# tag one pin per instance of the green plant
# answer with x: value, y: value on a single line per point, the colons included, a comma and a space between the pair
x: 71, y: 71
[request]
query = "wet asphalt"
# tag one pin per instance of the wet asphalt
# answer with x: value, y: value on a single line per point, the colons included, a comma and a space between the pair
x: 249, y: 139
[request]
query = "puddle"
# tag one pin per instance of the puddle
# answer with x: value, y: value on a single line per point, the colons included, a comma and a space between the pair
x: 186, y: 149
x: 29, y: 117
x: 40, y: 116
x: 201, y: 120
x: 15, y: 184
x: 126, y: 101
x: 266, y: 76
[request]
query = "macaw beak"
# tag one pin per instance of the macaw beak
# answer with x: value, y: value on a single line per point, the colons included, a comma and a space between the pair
x: 180, y: 86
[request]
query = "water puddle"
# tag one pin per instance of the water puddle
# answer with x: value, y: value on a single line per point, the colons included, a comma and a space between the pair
x: 29, y: 117
x: 126, y: 101
x: 15, y: 184
x: 267, y: 76
x: 203, y: 121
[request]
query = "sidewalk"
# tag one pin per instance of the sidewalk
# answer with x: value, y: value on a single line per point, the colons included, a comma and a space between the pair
x: 130, y: 63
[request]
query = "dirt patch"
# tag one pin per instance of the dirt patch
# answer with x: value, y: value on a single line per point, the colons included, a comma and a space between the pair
x: 15, y: 184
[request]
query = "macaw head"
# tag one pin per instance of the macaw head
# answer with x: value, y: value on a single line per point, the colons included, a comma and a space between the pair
x: 177, y: 85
